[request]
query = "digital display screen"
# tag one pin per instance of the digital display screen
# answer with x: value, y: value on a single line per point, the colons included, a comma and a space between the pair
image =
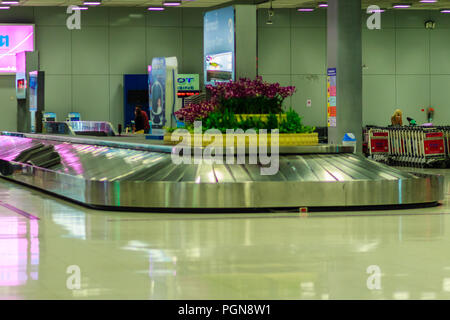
x: 219, y: 45
x: 14, y: 39
x: 33, y: 90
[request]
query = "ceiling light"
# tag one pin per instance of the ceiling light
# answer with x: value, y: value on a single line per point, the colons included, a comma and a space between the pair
x: 10, y: 2
x: 155, y: 9
x: 305, y: 9
x: 80, y: 8
x: 377, y: 11
x: 428, y: 1
x: 92, y: 3
x: 322, y: 5
x: 4, y: 8
x: 172, y: 3
x: 401, y: 5
x: 445, y: 11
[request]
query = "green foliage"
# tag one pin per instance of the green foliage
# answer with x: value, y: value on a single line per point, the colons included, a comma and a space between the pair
x: 226, y: 119
x: 293, y: 124
x: 252, y: 105
x: 221, y: 121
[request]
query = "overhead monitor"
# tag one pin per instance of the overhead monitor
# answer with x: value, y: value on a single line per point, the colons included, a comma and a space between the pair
x: 14, y: 38
x: 219, y: 45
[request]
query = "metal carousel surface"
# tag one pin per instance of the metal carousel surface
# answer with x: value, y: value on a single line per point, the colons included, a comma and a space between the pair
x: 113, y: 173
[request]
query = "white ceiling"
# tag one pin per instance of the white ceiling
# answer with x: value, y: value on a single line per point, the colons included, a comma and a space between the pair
x: 208, y: 3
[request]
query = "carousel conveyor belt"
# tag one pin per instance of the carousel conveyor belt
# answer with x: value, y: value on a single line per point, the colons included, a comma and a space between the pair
x: 121, y: 174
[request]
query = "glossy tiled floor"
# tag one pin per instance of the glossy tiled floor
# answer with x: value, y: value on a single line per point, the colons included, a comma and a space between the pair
x: 268, y: 256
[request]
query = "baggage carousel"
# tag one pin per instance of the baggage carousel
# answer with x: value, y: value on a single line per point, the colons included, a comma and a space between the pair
x: 138, y: 174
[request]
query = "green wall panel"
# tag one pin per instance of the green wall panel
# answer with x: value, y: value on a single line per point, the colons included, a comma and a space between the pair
x: 90, y: 96
x: 413, y: 94
x: 163, y: 42
x: 274, y: 56
x: 122, y: 41
x: 379, y: 51
x: 127, y: 17
x: 8, y: 105
x: 315, y: 19
x: 440, y: 85
x: 310, y: 87
x: 411, y: 18
x: 440, y: 51
x: 58, y: 95
x: 378, y: 99
x: 412, y: 51
x: 280, y: 19
x: 308, y: 50
x: 55, y: 49
x: 90, y: 50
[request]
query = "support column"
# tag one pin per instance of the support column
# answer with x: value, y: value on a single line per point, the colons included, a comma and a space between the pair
x: 246, y: 41
x: 345, y: 54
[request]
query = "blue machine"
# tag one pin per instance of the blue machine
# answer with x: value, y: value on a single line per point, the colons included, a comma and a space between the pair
x: 74, y: 116
x: 135, y: 92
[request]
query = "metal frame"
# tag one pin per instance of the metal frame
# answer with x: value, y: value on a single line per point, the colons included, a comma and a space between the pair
x: 305, y: 180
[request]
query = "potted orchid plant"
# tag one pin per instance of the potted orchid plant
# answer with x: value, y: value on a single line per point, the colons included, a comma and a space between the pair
x: 250, y: 98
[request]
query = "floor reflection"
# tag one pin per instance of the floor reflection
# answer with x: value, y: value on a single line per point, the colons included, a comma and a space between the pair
x: 19, y: 251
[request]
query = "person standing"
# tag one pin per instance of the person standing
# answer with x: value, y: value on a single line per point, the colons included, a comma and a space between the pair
x: 141, y: 120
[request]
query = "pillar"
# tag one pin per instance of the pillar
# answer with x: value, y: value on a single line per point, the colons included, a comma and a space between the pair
x: 344, y: 52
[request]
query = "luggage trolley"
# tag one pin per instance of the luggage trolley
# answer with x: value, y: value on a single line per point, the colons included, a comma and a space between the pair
x: 379, y: 144
x: 434, y: 146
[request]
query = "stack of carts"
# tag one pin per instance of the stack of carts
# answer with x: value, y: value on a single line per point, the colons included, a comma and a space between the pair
x: 410, y: 146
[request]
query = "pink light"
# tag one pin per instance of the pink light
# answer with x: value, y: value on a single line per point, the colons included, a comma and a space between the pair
x: 172, y: 4
x: 92, y: 3
x: 156, y: 9
x: 16, y: 38
x: 428, y: 1
x: 305, y: 9
x: 323, y: 5
x: 401, y: 6
x: 4, y: 8
x: 80, y: 8
x: 10, y: 2
x: 445, y: 11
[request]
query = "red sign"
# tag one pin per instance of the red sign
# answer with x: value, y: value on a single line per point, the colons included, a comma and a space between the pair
x: 434, y: 146
x: 380, y: 134
x: 434, y: 135
x: 379, y: 145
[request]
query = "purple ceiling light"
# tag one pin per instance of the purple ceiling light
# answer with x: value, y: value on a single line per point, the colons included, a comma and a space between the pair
x: 172, y: 3
x: 155, y: 9
x: 401, y: 5
x: 305, y: 9
x: 92, y: 3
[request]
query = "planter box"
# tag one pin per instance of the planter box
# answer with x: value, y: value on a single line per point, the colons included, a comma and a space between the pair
x: 285, y: 139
